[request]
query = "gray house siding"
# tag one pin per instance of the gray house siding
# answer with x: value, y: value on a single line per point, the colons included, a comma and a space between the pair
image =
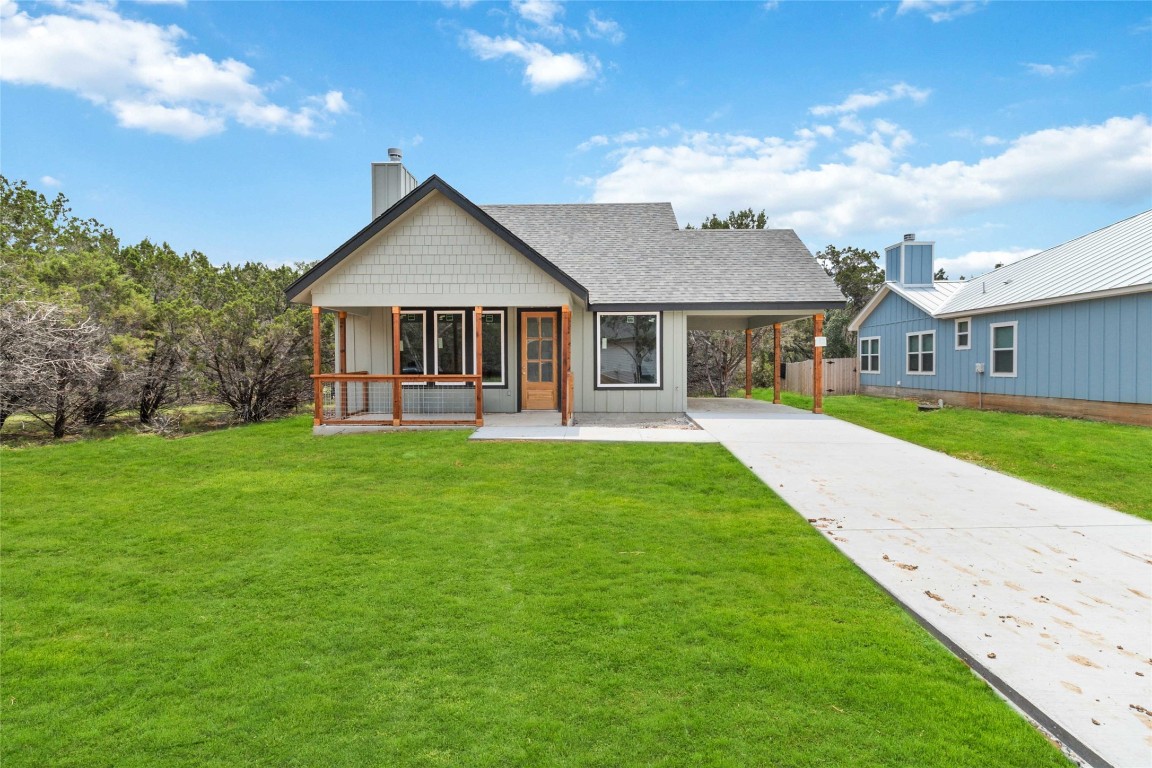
x: 671, y: 397
x: 1100, y: 349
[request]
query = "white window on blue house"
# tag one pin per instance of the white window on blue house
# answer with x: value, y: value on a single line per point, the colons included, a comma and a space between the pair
x: 964, y: 333
x: 1003, y: 349
x: 922, y: 353
x: 628, y: 349
x: 870, y: 354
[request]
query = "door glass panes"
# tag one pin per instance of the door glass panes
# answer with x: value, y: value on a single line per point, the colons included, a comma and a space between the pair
x: 449, y: 342
x: 493, y: 352
x: 629, y: 349
x: 412, y: 342
x: 539, y: 348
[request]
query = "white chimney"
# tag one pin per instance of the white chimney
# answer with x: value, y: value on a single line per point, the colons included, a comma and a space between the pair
x: 390, y: 182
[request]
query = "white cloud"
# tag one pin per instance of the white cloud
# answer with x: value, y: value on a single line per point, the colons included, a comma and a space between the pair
x: 1071, y: 66
x: 941, y: 10
x: 335, y: 104
x: 868, y: 190
x: 976, y: 263
x: 138, y: 72
x: 604, y: 29
x: 544, y: 15
x: 543, y: 69
x: 771, y: 5
x: 50, y: 181
x: 859, y: 101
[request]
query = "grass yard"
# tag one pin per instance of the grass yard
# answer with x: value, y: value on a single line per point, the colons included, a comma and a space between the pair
x: 1110, y: 464
x: 257, y: 596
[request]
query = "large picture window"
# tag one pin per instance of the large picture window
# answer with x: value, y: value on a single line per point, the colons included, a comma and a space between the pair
x: 870, y: 355
x: 1003, y: 349
x: 628, y: 349
x: 922, y: 353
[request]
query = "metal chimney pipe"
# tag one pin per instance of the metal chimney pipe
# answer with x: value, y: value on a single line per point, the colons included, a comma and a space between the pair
x: 395, y: 155
x: 907, y: 238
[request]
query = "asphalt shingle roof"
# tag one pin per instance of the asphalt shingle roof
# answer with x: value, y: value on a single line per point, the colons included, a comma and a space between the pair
x: 635, y: 253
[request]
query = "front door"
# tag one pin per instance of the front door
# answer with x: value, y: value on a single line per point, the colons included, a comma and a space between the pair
x: 539, y: 370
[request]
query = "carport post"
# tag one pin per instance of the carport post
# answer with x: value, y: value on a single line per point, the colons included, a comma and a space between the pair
x: 818, y: 363
x: 776, y: 333
x: 747, y: 363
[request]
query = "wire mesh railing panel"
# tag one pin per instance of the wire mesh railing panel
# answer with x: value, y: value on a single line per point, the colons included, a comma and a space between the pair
x: 373, y: 399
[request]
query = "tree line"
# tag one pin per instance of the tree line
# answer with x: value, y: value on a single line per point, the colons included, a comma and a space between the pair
x: 90, y: 327
x: 716, y: 359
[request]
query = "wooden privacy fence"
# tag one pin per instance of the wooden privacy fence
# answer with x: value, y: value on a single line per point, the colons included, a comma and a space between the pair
x: 839, y: 376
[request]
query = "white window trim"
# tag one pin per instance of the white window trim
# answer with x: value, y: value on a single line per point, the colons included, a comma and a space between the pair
x: 992, y: 350
x: 659, y: 352
x: 935, y: 353
x: 436, y: 350
x: 864, y: 339
x: 423, y: 342
x: 957, y: 333
x: 503, y: 356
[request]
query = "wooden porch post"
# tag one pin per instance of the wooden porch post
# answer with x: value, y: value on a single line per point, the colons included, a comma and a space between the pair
x: 565, y: 366
x: 397, y: 393
x: 777, y: 332
x: 747, y: 363
x: 343, y: 341
x: 477, y: 320
x: 818, y: 365
x: 317, y: 387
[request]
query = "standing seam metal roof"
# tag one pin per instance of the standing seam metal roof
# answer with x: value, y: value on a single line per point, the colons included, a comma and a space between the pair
x: 1113, y: 258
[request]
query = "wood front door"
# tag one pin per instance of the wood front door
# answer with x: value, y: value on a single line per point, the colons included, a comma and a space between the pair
x: 539, y: 361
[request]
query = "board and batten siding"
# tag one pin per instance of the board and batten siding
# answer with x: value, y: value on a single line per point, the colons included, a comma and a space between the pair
x: 437, y: 256
x: 671, y: 397
x: 1099, y: 349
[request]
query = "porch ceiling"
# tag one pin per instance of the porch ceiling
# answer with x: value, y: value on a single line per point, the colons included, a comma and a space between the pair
x: 734, y: 320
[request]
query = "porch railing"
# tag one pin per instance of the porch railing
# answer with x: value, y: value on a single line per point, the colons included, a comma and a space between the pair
x: 408, y: 400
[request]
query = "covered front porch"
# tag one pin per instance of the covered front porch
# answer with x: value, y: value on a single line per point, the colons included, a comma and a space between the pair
x: 434, y: 367
x: 470, y: 351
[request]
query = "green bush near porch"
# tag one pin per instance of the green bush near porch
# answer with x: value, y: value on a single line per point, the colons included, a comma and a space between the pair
x: 258, y: 596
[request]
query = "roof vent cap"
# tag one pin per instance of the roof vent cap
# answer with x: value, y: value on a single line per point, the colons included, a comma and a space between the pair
x: 395, y: 155
x: 907, y: 238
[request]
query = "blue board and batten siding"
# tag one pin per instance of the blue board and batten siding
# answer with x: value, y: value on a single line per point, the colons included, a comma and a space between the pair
x: 1099, y: 349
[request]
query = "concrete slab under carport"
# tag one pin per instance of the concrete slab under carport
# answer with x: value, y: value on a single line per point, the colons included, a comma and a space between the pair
x: 1045, y: 595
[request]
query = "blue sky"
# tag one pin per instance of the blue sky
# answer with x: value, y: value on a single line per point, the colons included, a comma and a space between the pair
x: 245, y: 130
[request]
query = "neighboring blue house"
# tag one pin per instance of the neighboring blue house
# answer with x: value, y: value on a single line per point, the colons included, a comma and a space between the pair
x: 1066, y: 331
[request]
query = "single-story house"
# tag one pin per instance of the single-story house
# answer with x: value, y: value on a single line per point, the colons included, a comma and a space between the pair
x: 1067, y: 331
x: 447, y: 310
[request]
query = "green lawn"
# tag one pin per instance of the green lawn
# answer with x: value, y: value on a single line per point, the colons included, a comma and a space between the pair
x: 258, y: 596
x: 1107, y: 463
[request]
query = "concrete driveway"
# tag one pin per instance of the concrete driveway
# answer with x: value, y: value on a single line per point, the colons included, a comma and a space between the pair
x: 1047, y: 597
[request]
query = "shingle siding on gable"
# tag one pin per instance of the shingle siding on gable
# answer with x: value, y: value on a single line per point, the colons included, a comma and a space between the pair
x: 1088, y: 350
x: 439, y: 256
